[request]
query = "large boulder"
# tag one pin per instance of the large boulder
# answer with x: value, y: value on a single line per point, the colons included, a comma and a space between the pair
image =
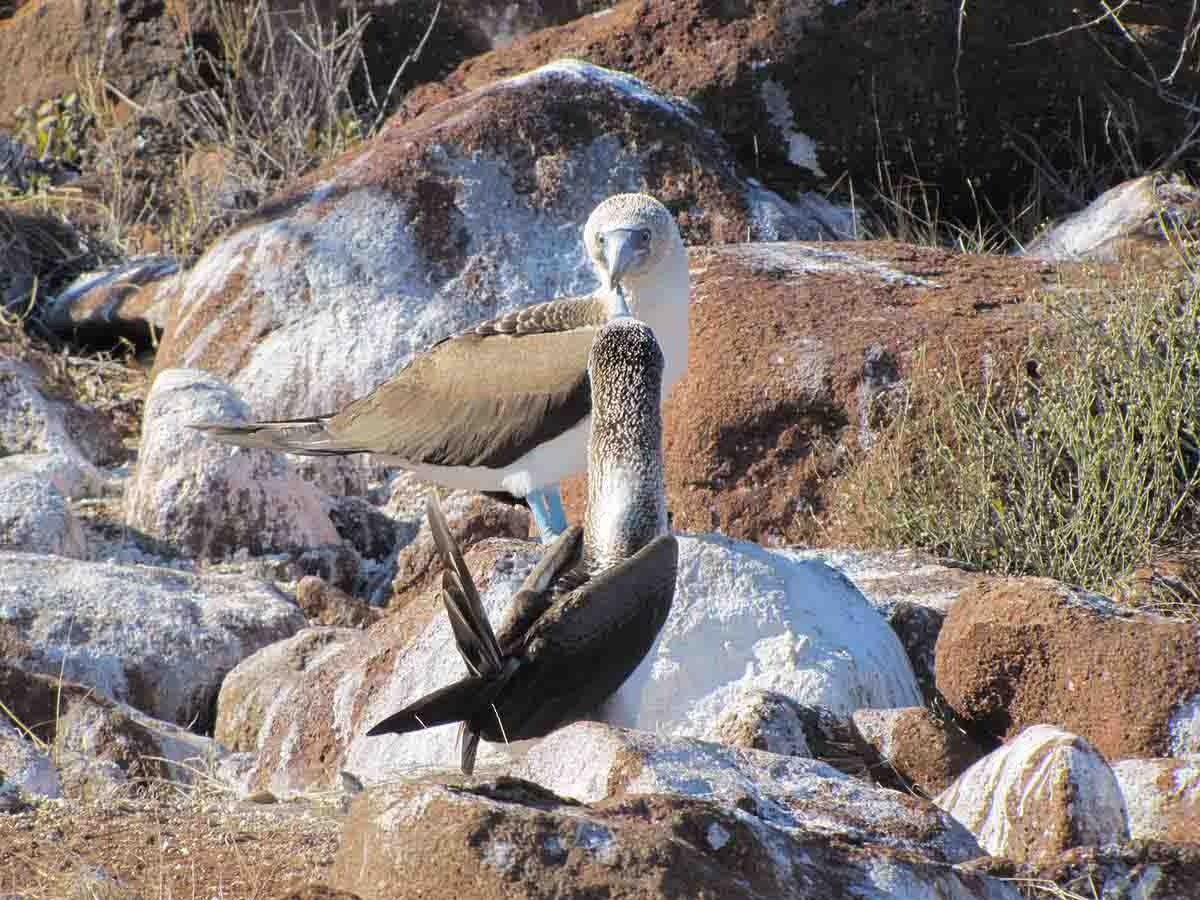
x: 1138, y: 218
x: 589, y: 761
x: 44, y: 433
x: 158, y: 639
x: 209, y: 500
x: 1025, y: 651
x: 1043, y: 793
x: 470, y: 210
x: 1162, y: 798
x: 263, y: 684
x: 791, y: 344
x: 744, y: 619
x: 35, y: 517
x: 962, y: 98
x: 513, y: 839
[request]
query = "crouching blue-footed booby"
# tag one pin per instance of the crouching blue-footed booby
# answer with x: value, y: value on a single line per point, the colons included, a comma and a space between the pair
x: 505, y: 405
x: 591, y: 609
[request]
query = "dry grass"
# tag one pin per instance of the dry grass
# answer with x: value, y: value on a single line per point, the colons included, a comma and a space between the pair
x: 270, y: 100
x: 1079, y: 460
x: 167, y: 845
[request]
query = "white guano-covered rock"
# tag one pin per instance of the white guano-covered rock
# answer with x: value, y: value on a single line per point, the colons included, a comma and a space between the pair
x: 743, y: 619
x: 590, y: 761
x: 35, y: 517
x: 208, y: 499
x: 1044, y: 792
x: 39, y: 431
x: 24, y: 765
x: 1162, y: 798
x: 158, y: 639
x: 746, y: 618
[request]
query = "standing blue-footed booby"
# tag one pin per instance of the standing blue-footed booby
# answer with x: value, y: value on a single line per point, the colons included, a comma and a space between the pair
x: 593, y: 606
x: 504, y: 406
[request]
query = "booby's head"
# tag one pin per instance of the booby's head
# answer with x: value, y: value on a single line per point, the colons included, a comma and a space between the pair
x: 626, y: 504
x: 629, y: 238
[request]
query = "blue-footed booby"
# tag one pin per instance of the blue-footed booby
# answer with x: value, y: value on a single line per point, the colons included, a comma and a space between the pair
x: 591, y: 609
x: 504, y: 406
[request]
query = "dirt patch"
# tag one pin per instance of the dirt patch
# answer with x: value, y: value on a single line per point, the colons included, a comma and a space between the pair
x: 171, y: 846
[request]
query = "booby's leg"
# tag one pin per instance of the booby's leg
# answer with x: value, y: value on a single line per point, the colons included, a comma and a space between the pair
x: 546, y: 506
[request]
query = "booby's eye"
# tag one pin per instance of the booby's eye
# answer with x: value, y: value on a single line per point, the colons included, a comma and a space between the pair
x: 600, y: 239
x: 644, y: 235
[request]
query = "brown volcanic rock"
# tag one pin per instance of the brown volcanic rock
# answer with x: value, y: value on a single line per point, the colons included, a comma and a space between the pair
x: 1022, y: 651
x: 513, y: 839
x: 890, y: 76
x: 924, y: 751
x: 787, y: 341
x: 46, y: 41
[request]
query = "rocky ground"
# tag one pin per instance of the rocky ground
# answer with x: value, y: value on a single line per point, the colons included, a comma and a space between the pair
x: 194, y: 638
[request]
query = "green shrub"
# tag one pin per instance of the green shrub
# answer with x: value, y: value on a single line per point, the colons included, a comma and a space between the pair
x: 1076, y: 462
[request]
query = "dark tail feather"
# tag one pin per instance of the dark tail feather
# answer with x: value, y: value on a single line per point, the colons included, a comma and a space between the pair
x: 472, y: 631
x: 455, y: 703
x: 464, y: 701
x: 469, y: 738
x: 306, y: 437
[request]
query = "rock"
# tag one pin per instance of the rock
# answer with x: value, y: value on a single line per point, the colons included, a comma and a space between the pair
x: 210, y: 500
x: 472, y: 518
x: 513, y: 839
x: 371, y: 532
x: 61, y: 438
x: 323, y: 604
x: 140, y: 746
x: 763, y: 720
x: 89, y: 779
x: 1124, y: 222
x: 128, y: 301
x: 34, y: 517
x: 589, y: 761
x: 1162, y: 798
x: 263, y: 684
x: 338, y: 564
x: 47, y: 45
x: 912, y: 592
x: 926, y: 752
x: 1021, y: 651
x: 1147, y: 870
x: 824, y: 89
x: 25, y: 765
x: 190, y: 630
x: 743, y: 619
x: 1042, y: 793
x: 748, y: 618
x: 751, y: 433
x: 440, y: 222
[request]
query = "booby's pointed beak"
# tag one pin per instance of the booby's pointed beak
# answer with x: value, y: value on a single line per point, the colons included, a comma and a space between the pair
x: 624, y: 248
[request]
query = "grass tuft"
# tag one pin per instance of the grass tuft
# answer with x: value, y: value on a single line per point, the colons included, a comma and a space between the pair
x: 1079, y: 460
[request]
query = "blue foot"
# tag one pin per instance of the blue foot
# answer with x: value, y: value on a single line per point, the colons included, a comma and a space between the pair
x: 546, y: 506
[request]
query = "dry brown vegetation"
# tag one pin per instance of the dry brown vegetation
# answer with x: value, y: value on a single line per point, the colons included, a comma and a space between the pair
x: 1078, y: 459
